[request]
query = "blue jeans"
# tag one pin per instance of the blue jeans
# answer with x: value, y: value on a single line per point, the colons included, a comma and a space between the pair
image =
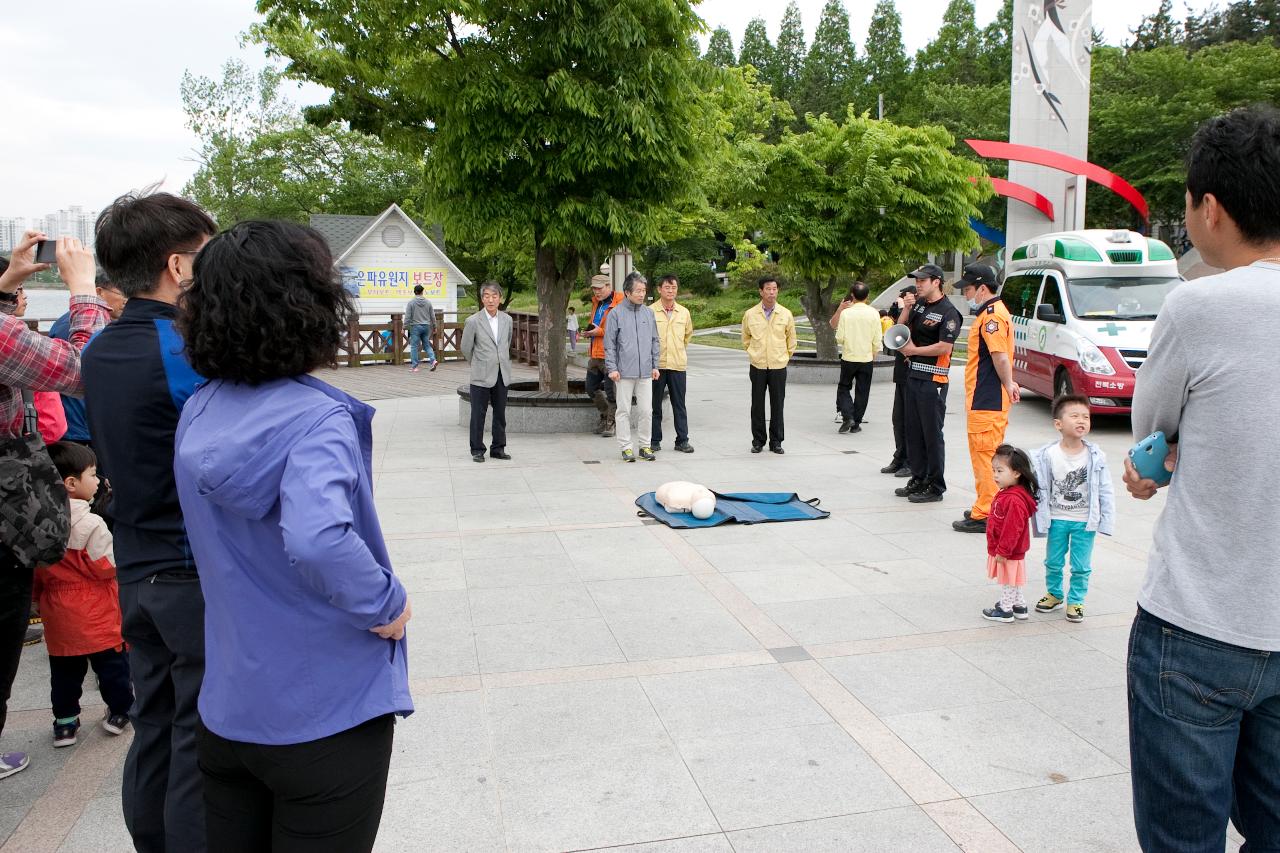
x: 1204, y: 740
x: 1067, y: 536
x: 420, y: 337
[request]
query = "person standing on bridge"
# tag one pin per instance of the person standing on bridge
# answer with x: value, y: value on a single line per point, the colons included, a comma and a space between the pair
x: 420, y: 317
x: 988, y: 384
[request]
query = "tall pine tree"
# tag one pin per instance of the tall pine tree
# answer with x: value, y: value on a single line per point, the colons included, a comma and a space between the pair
x: 757, y: 51
x: 720, y: 49
x: 952, y: 56
x: 827, y: 81
x: 1158, y: 30
x: 886, y: 64
x: 995, y: 53
x: 789, y: 55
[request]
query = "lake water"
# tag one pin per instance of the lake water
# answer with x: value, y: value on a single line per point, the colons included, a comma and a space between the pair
x: 47, y: 305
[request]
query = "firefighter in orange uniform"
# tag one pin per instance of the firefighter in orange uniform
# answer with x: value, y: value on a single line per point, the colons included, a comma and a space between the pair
x: 988, y: 384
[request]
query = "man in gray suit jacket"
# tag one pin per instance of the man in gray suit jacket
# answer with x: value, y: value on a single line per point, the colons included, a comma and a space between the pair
x: 486, y: 343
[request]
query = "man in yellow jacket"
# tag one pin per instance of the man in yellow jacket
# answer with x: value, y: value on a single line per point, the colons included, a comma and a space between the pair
x: 675, y: 328
x: 769, y: 337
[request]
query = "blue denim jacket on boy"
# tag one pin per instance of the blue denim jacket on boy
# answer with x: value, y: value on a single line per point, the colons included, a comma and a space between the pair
x: 1102, y: 496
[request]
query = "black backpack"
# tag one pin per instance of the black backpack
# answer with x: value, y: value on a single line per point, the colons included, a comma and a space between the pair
x: 35, y: 515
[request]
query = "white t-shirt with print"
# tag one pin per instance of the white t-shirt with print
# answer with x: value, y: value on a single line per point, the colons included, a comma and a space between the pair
x: 1069, y: 491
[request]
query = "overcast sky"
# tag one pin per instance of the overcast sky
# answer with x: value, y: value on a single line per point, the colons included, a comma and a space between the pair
x: 90, y: 89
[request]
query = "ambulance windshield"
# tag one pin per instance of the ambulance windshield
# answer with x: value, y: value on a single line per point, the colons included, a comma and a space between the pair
x: 1119, y: 298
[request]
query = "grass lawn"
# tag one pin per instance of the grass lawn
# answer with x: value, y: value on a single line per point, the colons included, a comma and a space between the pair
x: 722, y: 309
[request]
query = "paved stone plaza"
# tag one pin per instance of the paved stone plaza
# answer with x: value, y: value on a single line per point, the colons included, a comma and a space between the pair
x: 586, y: 680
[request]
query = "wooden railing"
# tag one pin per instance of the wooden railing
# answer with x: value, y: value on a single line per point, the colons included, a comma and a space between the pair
x: 376, y: 342
x: 524, y: 337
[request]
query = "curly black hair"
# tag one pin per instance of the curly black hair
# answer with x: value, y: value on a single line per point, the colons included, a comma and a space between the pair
x: 265, y: 302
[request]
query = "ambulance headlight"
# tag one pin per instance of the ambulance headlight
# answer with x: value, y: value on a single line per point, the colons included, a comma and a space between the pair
x: 1092, y: 360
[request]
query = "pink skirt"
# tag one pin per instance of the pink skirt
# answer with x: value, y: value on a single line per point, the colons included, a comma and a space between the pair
x: 1008, y: 573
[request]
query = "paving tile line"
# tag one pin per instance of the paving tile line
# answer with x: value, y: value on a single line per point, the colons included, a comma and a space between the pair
x: 52, y: 817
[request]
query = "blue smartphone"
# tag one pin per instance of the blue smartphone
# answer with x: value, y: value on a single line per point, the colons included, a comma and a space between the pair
x: 1148, y: 458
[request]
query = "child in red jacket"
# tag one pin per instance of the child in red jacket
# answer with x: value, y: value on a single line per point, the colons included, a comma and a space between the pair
x: 80, y: 603
x: 1009, y: 531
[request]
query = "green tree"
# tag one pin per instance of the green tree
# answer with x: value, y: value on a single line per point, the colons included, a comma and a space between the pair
x: 757, y: 51
x: 845, y: 198
x: 565, y: 126
x: 952, y: 56
x: 720, y: 49
x: 995, y: 52
x: 1147, y: 105
x: 1157, y: 30
x: 258, y: 159
x: 1244, y: 20
x: 886, y: 62
x: 829, y: 76
x: 789, y: 54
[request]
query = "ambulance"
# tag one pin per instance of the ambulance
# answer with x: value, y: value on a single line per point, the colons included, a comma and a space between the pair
x: 1083, y: 306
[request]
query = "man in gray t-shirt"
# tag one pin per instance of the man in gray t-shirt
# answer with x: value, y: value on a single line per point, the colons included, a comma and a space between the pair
x: 420, y: 319
x: 1204, y: 652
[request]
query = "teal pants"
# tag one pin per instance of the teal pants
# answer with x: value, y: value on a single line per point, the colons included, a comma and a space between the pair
x: 1064, y: 537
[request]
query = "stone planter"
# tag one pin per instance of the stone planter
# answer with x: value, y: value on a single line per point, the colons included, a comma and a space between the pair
x: 532, y: 411
x: 805, y: 368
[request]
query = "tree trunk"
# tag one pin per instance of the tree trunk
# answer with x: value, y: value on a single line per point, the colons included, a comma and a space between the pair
x: 556, y: 273
x: 818, y: 307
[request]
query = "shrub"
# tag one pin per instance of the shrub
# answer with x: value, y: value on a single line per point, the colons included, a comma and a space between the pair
x: 695, y: 277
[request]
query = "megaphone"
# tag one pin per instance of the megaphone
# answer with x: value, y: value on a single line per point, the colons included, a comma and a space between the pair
x: 896, y: 337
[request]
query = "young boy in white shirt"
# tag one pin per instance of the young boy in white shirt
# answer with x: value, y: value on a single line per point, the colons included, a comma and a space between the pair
x: 1077, y: 502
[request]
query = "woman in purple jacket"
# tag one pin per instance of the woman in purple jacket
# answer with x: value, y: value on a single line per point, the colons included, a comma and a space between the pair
x: 304, y: 619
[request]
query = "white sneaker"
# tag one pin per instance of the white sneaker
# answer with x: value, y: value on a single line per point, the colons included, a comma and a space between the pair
x: 13, y: 762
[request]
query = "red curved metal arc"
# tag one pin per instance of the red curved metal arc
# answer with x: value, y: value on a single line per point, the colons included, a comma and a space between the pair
x: 1022, y: 193
x: 1065, y: 163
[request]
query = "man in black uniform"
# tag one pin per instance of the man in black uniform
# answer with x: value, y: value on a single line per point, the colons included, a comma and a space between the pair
x: 898, y: 466
x: 935, y: 324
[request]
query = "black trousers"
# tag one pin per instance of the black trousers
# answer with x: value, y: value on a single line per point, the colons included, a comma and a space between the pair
x: 481, y: 399
x: 926, y: 407
x: 15, y: 610
x: 774, y: 382
x: 320, y: 796
x: 163, y: 623
x: 854, y: 375
x: 899, y: 423
x: 672, y: 381
x: 66, y: 681
x: 598, y: 380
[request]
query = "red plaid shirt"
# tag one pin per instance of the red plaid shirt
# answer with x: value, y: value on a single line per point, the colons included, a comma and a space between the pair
x: 30, y: 360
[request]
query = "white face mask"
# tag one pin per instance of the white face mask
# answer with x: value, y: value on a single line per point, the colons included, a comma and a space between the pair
x: 973, y: 304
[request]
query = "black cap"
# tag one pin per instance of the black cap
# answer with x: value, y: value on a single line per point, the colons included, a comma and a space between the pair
x: 928, y: 271
x: 978, y: 274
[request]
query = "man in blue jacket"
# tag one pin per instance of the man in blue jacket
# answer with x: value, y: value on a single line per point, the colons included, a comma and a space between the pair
x: 77, y: 425
x: 136, y: 381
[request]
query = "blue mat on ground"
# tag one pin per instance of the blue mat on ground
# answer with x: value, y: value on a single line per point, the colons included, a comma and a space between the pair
x: 739, y: 508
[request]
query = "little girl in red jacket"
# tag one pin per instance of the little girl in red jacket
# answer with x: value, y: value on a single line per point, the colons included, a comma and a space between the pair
x: 80, y: 604
x: 1009, y: 531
